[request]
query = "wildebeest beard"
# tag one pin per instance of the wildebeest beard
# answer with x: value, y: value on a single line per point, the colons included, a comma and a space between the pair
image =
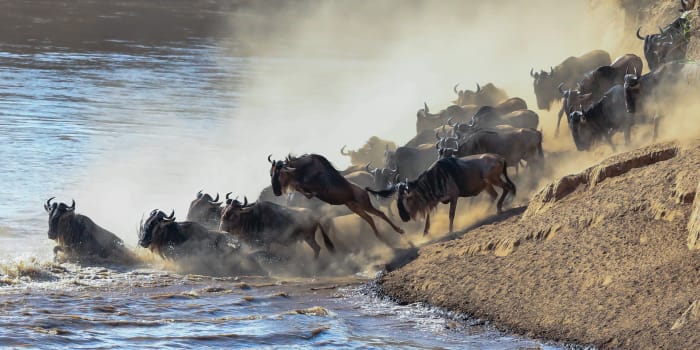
x: 427, y: 189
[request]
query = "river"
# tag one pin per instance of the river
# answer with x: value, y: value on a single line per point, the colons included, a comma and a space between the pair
x: 127, y: 106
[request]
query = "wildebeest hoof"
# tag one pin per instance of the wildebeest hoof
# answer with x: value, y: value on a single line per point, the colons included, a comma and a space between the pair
x: 400, y: 231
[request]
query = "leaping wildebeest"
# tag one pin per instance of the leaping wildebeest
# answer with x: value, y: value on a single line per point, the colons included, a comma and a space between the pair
x: 446, y: 181
x: 568, y: 72
x: 205, y: 210
x: 314, y: 176
x: 263, y: 223
x: 79, y: 236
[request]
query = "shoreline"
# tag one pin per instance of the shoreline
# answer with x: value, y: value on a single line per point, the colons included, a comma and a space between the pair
x: 599, y: 258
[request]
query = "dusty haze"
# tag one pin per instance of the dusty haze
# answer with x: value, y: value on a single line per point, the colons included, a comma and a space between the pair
x: 324, y: 74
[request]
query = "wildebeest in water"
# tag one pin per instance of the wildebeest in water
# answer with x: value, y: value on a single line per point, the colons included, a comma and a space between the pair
x: 205, y: 210
x: 169, y: 239
x: 446, y: 181
x: 314, y: 176
x: 78, y: 236
x: 262, y: 224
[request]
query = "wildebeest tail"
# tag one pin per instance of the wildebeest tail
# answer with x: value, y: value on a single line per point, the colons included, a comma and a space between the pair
x: 326, y: 239
x: 505, y: 174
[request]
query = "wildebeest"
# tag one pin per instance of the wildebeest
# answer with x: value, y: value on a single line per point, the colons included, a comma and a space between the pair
x: 687, y: 5
x: 262, y: 224
x: 567, y: 72
x: 596, y: 82
x: 488, y: 117
x: 205, y: 210
x: 605, y: 117
x: 513, y: 144
x: 78, y: 236
x: 488, y: 95
x: 671, y: 44
x: 428, y: 121
x: 645, y: 95
x: 314, y: 176
x: 574, y: 100
x: 169, y: 239
x: 371, y: 152
x: 601, y: 79
x: 446, y: 181
x: 410, y: 162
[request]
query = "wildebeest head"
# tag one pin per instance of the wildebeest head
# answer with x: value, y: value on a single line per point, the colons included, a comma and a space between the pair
x: 465, y: 97
x: 56, y: 212
x: 573, y: 98
x: 687, y: 5
x: 279, y: 173
x: 371, y: 151
x: 632, y: 91
x: 407, y: 202
x: 545, y: 88
x: 580, y: 131
x: 152, y: 227
x: 204, y: 208
x: 231, y: 214
x: 383, y: 177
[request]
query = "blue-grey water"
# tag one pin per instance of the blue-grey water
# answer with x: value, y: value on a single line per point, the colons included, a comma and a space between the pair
x: 106, y: 116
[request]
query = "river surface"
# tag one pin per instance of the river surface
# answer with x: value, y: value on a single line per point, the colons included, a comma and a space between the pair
x: 83, y: 90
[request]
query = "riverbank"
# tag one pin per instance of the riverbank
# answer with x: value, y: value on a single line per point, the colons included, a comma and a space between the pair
x: 602, y: 257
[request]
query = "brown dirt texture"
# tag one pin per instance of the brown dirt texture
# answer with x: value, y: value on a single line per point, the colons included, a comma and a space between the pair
x: 600, y: 257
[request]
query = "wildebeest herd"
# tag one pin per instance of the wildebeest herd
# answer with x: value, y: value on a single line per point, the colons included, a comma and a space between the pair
x: 460, y: 151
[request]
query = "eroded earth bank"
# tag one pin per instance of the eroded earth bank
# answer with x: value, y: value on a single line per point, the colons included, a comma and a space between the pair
x: 605, y: 257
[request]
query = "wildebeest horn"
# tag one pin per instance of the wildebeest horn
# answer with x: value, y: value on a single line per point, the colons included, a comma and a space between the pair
x: 532, y: 72
x: 268, y: 158
x: 228, y: 194
x: 367, y: 167
x: 639, y: 36
x: 199, y: 194
x: 449, y: 122
x: 48, y: 204
x: 245, y: 201
x: 72, y: 205
x: 342, y: 151
x: 561, y: 90
x: 635, y: 71
x: 215, y: 199
x: 454, y: 88
x: 478, y: 88
x: 425, y: 105
x: 551, y: 70
x: 172, y: 216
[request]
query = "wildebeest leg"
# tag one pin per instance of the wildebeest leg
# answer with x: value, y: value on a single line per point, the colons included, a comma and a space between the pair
x: 357, y: 209
x: 608, y: 137
x: 311, y: 241
x: 453, y: 208
x: 561, y: 113
x: 326, y: 239
x: 656, y: 120
x: 363, y: 201
x: 491, y: 191
x: 427, y: 224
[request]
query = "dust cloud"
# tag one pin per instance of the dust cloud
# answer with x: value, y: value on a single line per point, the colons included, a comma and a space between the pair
x: 323, y: 74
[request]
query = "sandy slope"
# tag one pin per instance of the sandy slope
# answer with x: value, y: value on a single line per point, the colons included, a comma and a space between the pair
x: 600, y: 257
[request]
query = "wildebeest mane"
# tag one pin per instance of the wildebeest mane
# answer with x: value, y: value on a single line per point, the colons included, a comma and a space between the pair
x: 329, y: 177
x: 433, y: 184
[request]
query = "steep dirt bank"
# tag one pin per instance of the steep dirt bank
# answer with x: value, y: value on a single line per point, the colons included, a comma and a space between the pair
x: 601, y: 257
